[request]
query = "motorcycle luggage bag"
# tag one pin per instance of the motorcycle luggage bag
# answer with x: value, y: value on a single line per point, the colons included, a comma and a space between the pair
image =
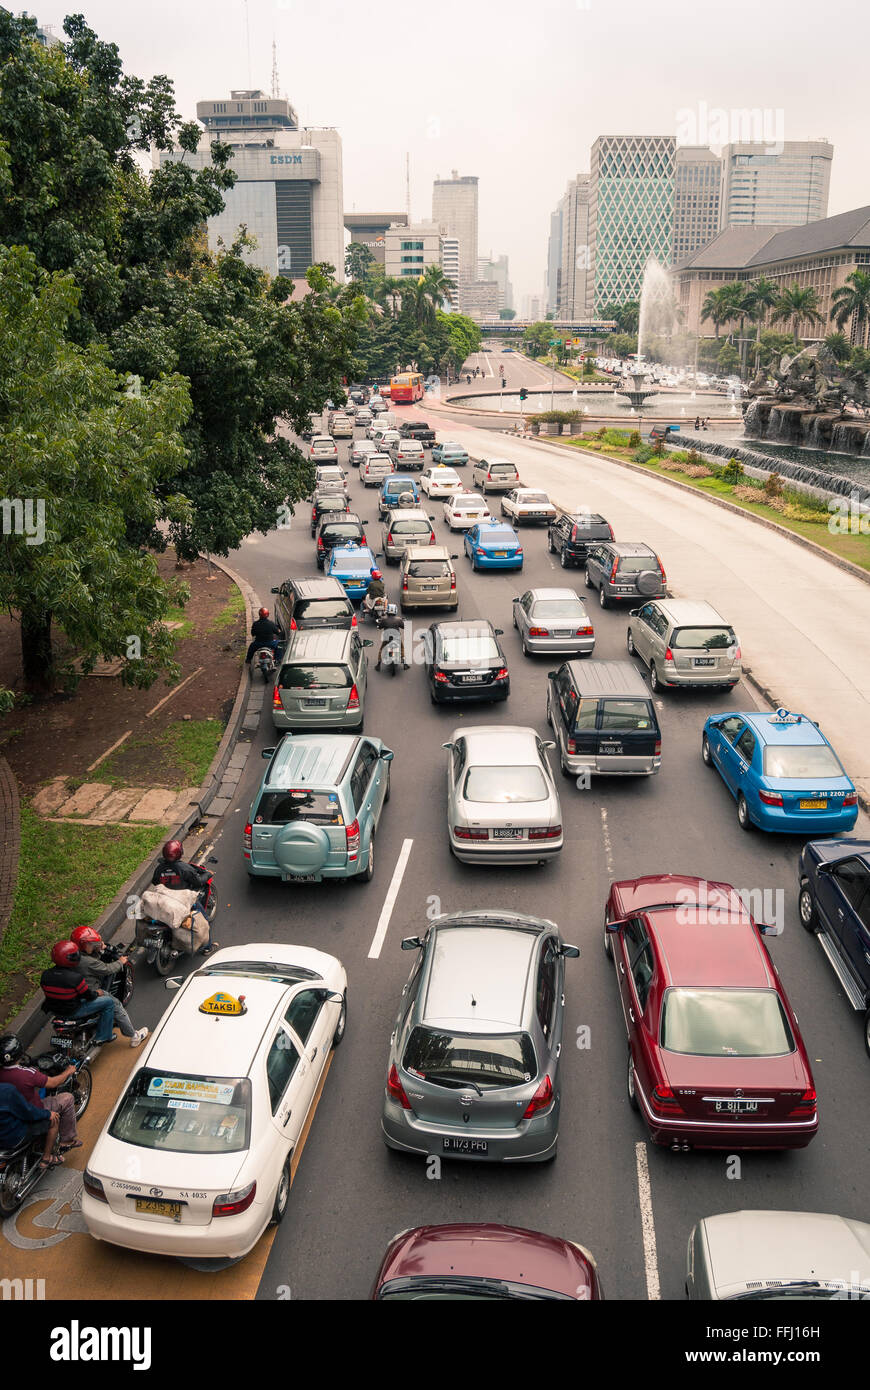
x: 167, y: 905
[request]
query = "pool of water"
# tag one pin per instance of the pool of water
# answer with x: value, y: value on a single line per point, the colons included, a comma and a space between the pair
x: 679, y: 407
x: 840, y: 465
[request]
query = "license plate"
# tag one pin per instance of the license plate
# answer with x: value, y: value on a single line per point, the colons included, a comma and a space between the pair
x: 703, y: 661
x: 736, y: 1107
x: 500, y: 554
x: 814, y: 805
x: 154, y: 941
x: 561, y: 633
x: 465, y: 1146
x: 507, y: 834
x: 610, y: 748
x: 299, y: 878
x: 313, y: 704
x: 471, y: 680
x: 150, y: 1207
x: 59, y: 1042
x: 428, y: 588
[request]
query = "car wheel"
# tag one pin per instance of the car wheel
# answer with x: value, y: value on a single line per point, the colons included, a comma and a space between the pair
x: 629, y: 642
x: 608, y: 948
x: 550, y: 545
x: 743, y: 813
x: 602, y: 598
x: 563, y: 559
x: 706, y: 751
x: 341, y: 1026
x: 388, y: 788
x: 807, y: 909
x: 867, y: 1031
x: 655, y: 684
x: 525, y: 648
x: 629, y: 1083
x: 282, y: 1196
x: 589, y: 584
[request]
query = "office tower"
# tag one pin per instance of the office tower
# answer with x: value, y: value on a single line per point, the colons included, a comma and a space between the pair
x: 765, y: 187
x: 631, y: 212
x: 454, y: 209
x: 697, y: 191
x: 574, y: 277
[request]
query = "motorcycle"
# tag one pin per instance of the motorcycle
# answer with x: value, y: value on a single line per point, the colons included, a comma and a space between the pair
x: 374, y: 610
x: 159, y: 939
x: 265, y: 659
x: 391, y: 656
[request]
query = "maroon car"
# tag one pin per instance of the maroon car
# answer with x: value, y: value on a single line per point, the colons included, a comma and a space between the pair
x: 715, y: 1055
x: 485, y: 1261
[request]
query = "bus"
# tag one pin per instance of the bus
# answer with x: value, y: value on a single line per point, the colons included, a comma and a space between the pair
x: 407, y: 387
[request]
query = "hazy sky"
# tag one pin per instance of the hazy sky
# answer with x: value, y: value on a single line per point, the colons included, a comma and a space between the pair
x: 513, y: 92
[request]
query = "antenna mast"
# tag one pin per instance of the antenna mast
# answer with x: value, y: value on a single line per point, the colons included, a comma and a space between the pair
x: 408, y: 185
x: 275, y: 92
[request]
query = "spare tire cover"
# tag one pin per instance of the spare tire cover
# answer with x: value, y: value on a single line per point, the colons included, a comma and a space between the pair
x: 649, y: 582
x: 301, y: 848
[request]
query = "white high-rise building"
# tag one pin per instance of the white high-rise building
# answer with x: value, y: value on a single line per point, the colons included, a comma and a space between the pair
x: 490, y: 268
x: 408, y: 250
x: 762, y: 187
x: 574, y: 291
x: 454, y: 209
x: 450, y: 266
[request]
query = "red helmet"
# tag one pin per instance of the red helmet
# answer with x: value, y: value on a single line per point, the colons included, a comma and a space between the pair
x: 65, y: 953
x: 376, y: 574
x: 85, y: 936
x: 172, y: 850
x: 264, y: 612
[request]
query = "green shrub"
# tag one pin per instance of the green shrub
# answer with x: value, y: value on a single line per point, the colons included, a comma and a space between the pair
x: 643, y: 454
x: 732, y: 472
x: 634, y: 439
x: 773, y: 485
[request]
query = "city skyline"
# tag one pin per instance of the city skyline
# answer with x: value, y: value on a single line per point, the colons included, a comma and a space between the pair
x: 523, y: 163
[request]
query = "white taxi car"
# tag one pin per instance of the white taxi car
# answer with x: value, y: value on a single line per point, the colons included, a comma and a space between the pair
x: 195, y: 1158
x: 465, y: 509
x: 441, y: 481
x: 528, y: 504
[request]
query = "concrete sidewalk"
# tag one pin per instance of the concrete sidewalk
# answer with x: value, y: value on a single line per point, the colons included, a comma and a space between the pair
x: 803, y: 623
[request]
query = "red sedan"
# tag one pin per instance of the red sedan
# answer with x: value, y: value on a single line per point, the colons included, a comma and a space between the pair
x: 481, y: 1261
x: 715, y: 1055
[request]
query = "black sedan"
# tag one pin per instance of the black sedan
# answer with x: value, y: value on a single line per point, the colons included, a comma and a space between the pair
x: 330, y: 500
x: 338, y: 528
x: 464, y: 661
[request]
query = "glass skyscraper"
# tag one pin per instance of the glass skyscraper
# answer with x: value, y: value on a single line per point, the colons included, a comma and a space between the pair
x: 631, y: 212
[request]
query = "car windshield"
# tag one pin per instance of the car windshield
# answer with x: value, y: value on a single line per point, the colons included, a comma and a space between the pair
x: 625, y: 714
x: 706, y: 638
x: 185, y: 1113
x: 506, y: 785
x: 725, y: 1023
x: 279, y: 808
x: 321, y: 608
x: 473, y: 647
x: 506, y: 1059
x: 428, y: 569
x: 557, y: 608
x: 801, y: 760
x: 314, y: 676
x: 636, y: 564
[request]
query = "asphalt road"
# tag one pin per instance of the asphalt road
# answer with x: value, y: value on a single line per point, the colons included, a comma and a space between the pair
x: 352, y: 1194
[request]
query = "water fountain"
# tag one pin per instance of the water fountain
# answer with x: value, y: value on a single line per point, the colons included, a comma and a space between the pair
x: 637, y: 393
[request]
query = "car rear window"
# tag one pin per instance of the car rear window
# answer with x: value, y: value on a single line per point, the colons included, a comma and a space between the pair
x: 801, y: 760
x: 558, y: 608
x: 280, y: 808
x: 410, y: 528
x: 498, y: 537
x: 587, y: 713
x: 636, y: 564
x: 314, y: 675
x: 355, y: 564
x: 711, y: 639
x: 428, y: 569
x: 504, y: 1059
x: 506, y: 785
x: 501, y: 468
x: 527, y: 498
x: 321, y: 608
x: 725, y: 1023
x: 475, y: 647
x: 185, y: 1113
x: 625, y: 714
x: 339, y: 531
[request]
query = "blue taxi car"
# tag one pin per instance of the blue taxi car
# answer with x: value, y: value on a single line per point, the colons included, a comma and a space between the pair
x: 782, y: 772
x: 450, y: 453
x: 352, y: 566
x: 491, y: 545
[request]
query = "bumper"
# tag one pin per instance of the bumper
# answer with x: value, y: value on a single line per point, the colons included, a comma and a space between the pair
x: 445, y: 600
x: 458, y: 695
x: 803, y: 822
x: 325, y: 719
x: 579, y: 646
x: 702, y: 676
x: 497, y: 852
x: 706, y: 1134
x: 533, y: 1141
x: 619, y: 595
x: 229, y: 1237
x: 492, y: 562
x: 617, y: 765
x: 272, y: 871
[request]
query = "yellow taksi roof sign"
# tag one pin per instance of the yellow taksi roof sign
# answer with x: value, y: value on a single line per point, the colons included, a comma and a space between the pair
x: 224, y: 1005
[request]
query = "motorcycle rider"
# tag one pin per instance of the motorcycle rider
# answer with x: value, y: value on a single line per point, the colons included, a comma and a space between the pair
x: 376, y: 594
x: 68, y: 994
x: 19, y: 1120
x: 391, y: 623
x: 99, y: 973
x: 173, y: 872
x: 17, y: 1071
x: 265, y: 634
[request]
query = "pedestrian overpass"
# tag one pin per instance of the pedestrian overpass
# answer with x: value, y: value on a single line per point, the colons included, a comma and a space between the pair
x: 515, y: 328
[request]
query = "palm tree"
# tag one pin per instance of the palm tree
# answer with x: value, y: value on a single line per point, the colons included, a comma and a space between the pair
x: 719, y: 307
x: 761, y: 295
x: 436, y: 286
x: 853, y: 300
x: 797, y: 306
x: 388, y: 287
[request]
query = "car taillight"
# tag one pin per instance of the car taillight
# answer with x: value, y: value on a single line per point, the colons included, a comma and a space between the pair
x: 738, y: 655
x: 658, y: 748
x: 363, y: 540
x: 395, y: 1089
x: 542, y: 1098
x: 806, y: 1104
x: 664, y: 1101
x: 440, y: 677
x: 851, y: 799
x: 248, y: 832
x: 453, y: 581
x: 545, y: 832
x: 662, y: 568
x: 353, y: 702
x: 320, y: 545
x: 501, y: 674
x: 570, y: 745
x: 479, y: 550
x: 610, y: 529
x: 669, y: 656
x: 351, y: 835
x: 353, y: 621
x: 539, y: 632
x: 519, y: 550
x: 94, y: 1187
x: 231, y: 1203
x: 489, y: 475
x: 276, y: 698
x: 432, y: 538
x: 613, y: 571
x: 770, y: 798
x: 585, y: 632
x: 462, y: 832
x: 293, y: 625
x: 389, y: 538
x: 404, y: 583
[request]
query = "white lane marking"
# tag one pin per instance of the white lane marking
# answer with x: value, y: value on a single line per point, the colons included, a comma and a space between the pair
x: 608, y: 849
x: 390, y: 900
x: 644, y: 1192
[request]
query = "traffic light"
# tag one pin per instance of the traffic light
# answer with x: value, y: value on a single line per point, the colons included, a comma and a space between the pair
x: 523, y: 393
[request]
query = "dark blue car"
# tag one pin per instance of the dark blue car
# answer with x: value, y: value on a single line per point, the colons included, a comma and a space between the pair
x: 834, y: 901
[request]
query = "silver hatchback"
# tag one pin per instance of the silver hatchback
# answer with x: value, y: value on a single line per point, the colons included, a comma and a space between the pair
x: 553, y: 620
x: 473, y: 1070
x: 684, y: 642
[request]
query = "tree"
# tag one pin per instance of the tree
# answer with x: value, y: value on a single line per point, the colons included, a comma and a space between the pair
x: 852, y: 301
x: 536, y: 338
x: 507, y: 314
x: 837, y: 344
x: 761, y: 296
x: 88, y: 453
x: 436, y: 288
x: 718, y: 306
x: 796, y: 305
x: 727, y: 358
x: 773, y: 346
x: 358, y: 261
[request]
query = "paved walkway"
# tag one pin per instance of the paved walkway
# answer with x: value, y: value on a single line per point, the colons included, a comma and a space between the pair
x: 803, y: 623
x: 98, y: 803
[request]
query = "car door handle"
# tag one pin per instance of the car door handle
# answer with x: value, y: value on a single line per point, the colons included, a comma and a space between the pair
x: 631, y: 1014
x: 621, y: 968
x: 840, y: 913
x: 312, y: 1054
x: 558, y: 1051
x: 286, y: 1119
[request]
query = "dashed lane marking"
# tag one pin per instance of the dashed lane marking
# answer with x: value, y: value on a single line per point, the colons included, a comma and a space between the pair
x: 644, y: 1192
x: 390, y: 900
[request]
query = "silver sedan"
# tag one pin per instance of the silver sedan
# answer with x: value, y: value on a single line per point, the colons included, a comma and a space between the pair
x: 502, y: 802
x: 553, y: 620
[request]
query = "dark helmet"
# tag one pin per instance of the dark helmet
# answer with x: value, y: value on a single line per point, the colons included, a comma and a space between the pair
x: 10, y: 1049
x: 172, y: 850
x: 65, y: 953
x: 85, y: 936
x: 264, y: 612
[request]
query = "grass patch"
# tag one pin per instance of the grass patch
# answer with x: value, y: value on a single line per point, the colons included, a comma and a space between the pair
x: 183, y: 752
x: 232, y: 609
x: 67, y: 875
x: 175, y: 614
x: 793, y: 510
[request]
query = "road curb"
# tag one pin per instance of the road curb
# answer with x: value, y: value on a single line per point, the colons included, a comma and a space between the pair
x: 29, y: 1022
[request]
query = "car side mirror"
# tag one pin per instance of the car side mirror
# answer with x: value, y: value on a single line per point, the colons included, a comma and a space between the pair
x: 549, y: 744
x: 275, y: 591
x: 634, y: 612
x: 174, y: 982
x: 455, y: 557
x: 367, y: 642
x: 447, y: 745
x: 431, y: 518
x: 569, y: 952
x: 824, y: 868
x: 615, y: 925
x: 499, y: 631
x: 411, y: 943
x: 551, y: 675
x: 268, y: 752
x: 767, y: 929
x: 387, y: 755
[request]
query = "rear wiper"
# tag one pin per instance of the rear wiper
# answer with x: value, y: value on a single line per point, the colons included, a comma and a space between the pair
x: 450, y: 1081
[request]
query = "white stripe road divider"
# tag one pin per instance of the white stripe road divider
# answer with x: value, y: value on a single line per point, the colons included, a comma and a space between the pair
x: 644, y: 1192
x: 390, y: 900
